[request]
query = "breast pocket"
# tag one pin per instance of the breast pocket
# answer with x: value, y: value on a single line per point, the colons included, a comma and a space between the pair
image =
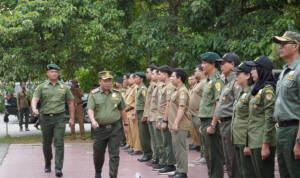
x: 99, y: 101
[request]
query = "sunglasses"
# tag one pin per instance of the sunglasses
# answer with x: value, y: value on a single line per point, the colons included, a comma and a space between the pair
x: 282, y: 44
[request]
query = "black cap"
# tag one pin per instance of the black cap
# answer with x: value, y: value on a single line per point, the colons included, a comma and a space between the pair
x: 243, y: 67
x: 262, y: 61
x: 230, y: 57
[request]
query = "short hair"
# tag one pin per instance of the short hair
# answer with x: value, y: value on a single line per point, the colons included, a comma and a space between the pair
x: 165, y: 69
x: 132, y: 74
x: 199, y: 67
x: 181, y: 73
x: 127, y: 75
x: 152, y: 67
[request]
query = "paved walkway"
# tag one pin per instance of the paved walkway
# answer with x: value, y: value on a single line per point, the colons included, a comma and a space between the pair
x: 26, y: 161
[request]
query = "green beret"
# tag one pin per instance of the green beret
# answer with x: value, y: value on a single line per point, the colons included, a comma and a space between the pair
x: 119, y: 80
x: 53, y: 67
x: 210, y: 57
x: 140, y: 74
x: 105, y: 75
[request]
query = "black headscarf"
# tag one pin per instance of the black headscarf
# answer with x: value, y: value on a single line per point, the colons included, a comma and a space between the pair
x: 265, y: 77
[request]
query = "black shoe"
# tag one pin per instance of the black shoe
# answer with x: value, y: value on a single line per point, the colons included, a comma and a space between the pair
x: 143, y: 159
x: 172, y: 175
x: 58, y: 173
x: 158, y: 167
x: 136, y: 153
x: 167, y: 170
x: 180, y: 175
x: 125, y: 147
x: 98, y: 175
x: 194, y: 147
x: 152, y: 162
x: 48, y: 168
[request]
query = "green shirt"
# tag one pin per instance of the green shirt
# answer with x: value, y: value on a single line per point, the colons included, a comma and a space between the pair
x: 210, y: 95
x: 261, y: 127
x: 106, y: 107
x: 287, y: 105
x: 240, y: 117
x: 53, y: 98
x: 141, y: 97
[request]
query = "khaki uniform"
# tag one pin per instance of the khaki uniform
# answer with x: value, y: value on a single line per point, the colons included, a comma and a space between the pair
x: 107, y: 107
x: 53, y: 100
x: 130, y: 101
x: 180, y: 97
x: 150, y: 90
x: 23, y: 102
x: 164, y: 138
x: 261, y: 130
x: 77, y: 93
x: 213, y: 150
x: 240, y: 121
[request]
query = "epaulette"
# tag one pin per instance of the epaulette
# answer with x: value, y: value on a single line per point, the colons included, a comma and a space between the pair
x: 116, y: 90
x: 95, y: 90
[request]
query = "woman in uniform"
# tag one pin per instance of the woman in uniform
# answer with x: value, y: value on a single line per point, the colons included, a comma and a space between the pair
x: 240, y: 120
x: 261, y: 126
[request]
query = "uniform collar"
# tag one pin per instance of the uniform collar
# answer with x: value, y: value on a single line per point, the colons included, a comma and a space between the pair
x: 213, y: 76
x: 247, y: 89
x: 57, y: 82
x: 102, y: 91
x: 293, y: 65
x: 230, y: 78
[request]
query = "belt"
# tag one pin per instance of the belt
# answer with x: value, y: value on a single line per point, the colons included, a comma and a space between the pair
x: 107, y: 126
x: 205, y: 118
x: 53, y: 114
x: 287, y: 123
x: 224, y: 119
x: 129, y: 109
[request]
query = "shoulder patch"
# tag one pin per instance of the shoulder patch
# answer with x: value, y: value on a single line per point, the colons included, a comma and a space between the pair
x: 144, y: 93
x: 182, y: 95
x: 269, y: 91
x: 95, y: 90
x: 269, y: 96
x: 218, y: 86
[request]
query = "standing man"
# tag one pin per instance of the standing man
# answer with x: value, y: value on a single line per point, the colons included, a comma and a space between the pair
x: 23, y: 103
x: 195, y: 99
x: 130, y: 101
x: 287, y: 106
x: 142, y: 122
x: 53, y: 94
x: 207, y: 112
x: 105, y: 108
x: 225, y: 110
x: 179, y: 121
x: 77, y: 93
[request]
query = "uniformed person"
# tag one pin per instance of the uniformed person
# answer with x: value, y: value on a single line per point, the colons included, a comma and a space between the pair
x: 77, y: 93
x: 53, y: 94
x: 287, y: 106
x: 142, y: 122
x: 128, y: 146
x: 130, y: 101
x: 207, y: 112
x: 224, y: 111
x: 119, y: 87
x: 179, y: 121
x: 261, y: 126
x: 151, y: 87
x: 240, y: 121
x: 152, y: 118
x: 23, y: 104
x: 194, y: 105
x: 105, y: 109
x: 192, y: 81
x: 119, y: 83
x: 167, y: 161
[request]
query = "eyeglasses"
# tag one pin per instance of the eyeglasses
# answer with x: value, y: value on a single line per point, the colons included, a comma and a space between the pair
x: 282, y: 44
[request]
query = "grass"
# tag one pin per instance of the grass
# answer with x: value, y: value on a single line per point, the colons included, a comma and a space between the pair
x: 38, y: 139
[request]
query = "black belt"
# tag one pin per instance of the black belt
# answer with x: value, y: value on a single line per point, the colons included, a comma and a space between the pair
x: 107, y: 126
x: 287, y: 123
x: 53, y: 114
x: 224, y: 119
x: 129, y: 109
x: 205, y: 118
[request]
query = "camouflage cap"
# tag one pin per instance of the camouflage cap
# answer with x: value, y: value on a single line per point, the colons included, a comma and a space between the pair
x: 105, y: 75
x: 287, y: 37
x: 210, y: 57
x: 53, y: 67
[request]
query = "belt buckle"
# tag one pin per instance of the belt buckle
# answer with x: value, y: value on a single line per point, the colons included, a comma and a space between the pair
x: 51, y: 115
x: 108, y: 126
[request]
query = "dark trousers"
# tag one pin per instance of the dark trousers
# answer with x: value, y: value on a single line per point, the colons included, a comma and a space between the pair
x: 110, y: 137
x: 263, y: 168
x: 244, y: 162
x: 289, y: 167
x: 144, y: 135
x: 24, y: 113
x: 53, y: 127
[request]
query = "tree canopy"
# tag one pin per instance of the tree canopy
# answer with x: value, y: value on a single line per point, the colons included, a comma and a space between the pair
x: 87, y: 36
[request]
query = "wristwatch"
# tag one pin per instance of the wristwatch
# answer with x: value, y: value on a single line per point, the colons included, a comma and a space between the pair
x: 298, y: 140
